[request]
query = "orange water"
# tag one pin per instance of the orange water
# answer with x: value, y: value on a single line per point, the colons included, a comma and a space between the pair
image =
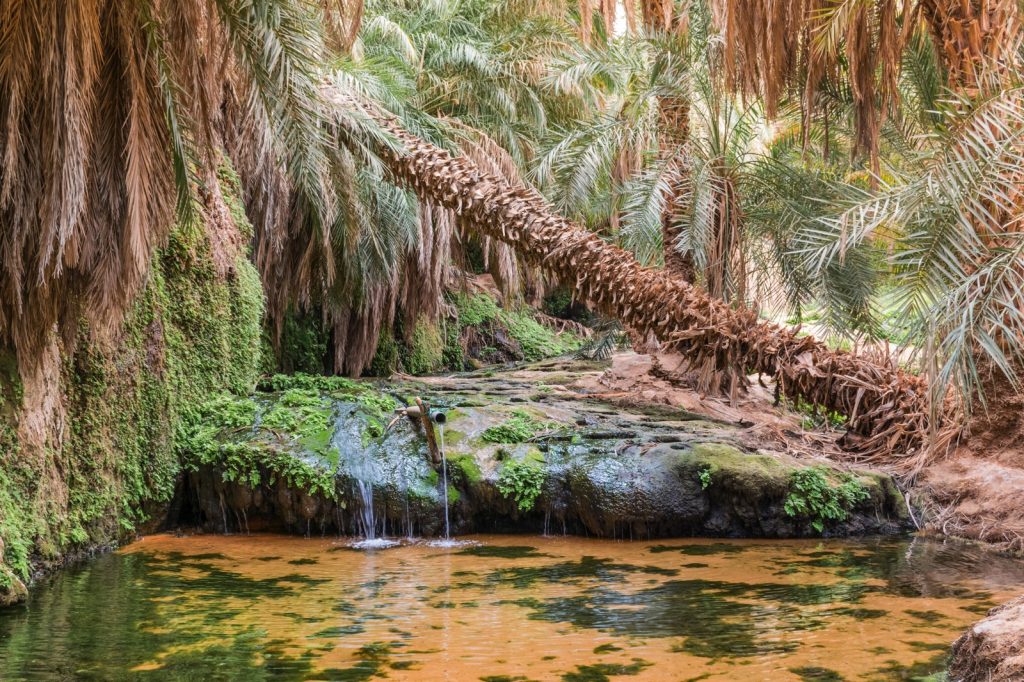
x: 507, y: 608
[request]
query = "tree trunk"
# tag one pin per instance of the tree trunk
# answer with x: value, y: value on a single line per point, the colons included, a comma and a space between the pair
x: 977, y: 39
x: 887, y: 408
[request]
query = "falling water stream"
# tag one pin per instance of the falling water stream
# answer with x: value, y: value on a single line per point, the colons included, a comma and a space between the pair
x: 363, y: 469
x: 444, y: 481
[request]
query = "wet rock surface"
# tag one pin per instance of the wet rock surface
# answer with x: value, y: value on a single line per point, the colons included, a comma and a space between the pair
x: 524, y: 453
x: 992, y: 650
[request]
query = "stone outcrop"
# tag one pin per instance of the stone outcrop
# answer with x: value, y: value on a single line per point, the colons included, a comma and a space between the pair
x: 521, y: 456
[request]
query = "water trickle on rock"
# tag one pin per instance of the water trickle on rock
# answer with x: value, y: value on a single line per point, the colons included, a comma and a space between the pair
x: 362, y: 467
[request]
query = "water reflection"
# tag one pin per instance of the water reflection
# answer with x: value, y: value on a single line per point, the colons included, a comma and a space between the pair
x: 506, y: 608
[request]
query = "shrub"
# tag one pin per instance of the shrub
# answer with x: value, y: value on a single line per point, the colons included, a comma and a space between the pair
x: 523, y: 481
x: 813, y: 496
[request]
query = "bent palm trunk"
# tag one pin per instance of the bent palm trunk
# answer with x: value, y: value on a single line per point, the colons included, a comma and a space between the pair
x: 887, y: 408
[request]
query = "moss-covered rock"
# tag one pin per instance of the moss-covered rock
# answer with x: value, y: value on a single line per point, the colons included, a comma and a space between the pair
x: 479, y: 332
x: 518, y: 464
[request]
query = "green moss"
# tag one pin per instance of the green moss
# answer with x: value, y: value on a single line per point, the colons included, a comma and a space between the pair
x: 475, y: 310
x: 386, y: 360
x: 192, y: 332
x: 520, y: 428
x: 465, y: 469
x: 717, y: 464
x: 426, y: 349
x: 537, y: 341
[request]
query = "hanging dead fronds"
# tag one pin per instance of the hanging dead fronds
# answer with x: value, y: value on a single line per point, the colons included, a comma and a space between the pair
x: 978, y: 40
x: 342, y: 21
x: 110, y: 116
x: 775, y: 48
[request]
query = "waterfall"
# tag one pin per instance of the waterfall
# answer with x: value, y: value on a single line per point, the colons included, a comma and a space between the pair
x: 362, y: 467
x: 368, y: 520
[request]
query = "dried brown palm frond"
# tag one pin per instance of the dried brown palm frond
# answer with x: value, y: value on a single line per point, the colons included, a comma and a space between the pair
x: 109, y: 109
x: 977, y: 40
x: 775, y: 48
x: 586, y: 21
x: 887, y: 408
x: 342, y: 20
x: 629, y: 8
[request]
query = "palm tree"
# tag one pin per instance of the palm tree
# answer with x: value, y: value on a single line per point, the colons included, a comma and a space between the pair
x: 465, y: 75
x: 638, y: 87
x: 777, y: 49
x: 111, y: 109
x: 887, y: 408
x: 671, y: 149
x: 663, y: 21
x: 952, y: 236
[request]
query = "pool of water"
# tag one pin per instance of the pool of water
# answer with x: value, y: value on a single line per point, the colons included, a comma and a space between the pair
x: 503, y: 609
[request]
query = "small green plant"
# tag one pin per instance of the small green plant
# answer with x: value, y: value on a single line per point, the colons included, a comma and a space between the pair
x: 814, y: 418
x: 705, y: 477
x: 519, y: 429
x: 813, y: 496
x: 523, y: 481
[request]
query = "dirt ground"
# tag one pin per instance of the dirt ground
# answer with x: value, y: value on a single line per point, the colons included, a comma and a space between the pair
x: 976, y: 491
x: 660, y: 379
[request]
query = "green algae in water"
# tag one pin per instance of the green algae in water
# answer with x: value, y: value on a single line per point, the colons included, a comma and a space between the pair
x: 699, y: 550
x: 816, y: 674
x: 503, y: 551
x: 603, y: 672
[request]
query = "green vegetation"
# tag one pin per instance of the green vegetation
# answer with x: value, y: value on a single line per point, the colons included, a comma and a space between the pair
x: 813, y: 496
x: 498, y: 335
x: 523, y: 481
x: 535, y: 340
x: 464, y: 469
x: 704, y: 474
x: 193, y: 331
x: 520, y: 428
x: 300, y: 414
x: 814, y: 417
x: 426, y: 349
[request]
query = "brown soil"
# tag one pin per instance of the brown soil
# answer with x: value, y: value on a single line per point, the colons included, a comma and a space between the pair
x: 975, y: 492
x: 992, y: 650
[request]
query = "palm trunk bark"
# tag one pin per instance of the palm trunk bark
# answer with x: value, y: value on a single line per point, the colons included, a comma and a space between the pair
x: 977, y: 39
x: 887, y: 409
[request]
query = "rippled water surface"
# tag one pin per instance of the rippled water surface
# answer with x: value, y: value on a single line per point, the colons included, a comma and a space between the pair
x: 506, y: 609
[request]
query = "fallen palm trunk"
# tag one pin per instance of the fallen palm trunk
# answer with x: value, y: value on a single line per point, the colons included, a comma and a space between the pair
x: 887, y: 409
